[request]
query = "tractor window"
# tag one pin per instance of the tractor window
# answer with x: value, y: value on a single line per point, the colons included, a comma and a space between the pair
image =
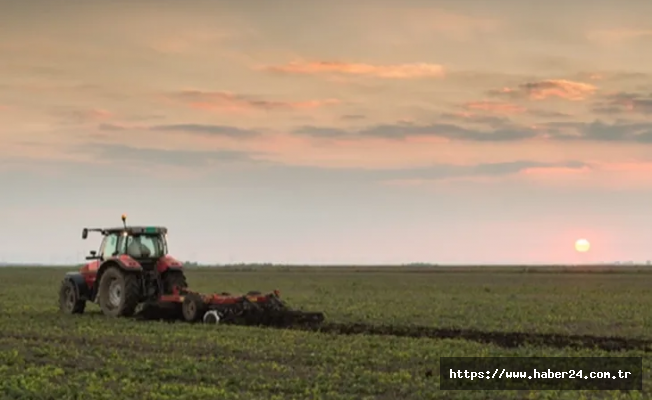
x: 145, y: 246
x: 109, y: 246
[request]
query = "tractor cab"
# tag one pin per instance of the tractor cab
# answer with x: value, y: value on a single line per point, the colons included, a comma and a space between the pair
x: 139, y: 243
x: 145, y: 244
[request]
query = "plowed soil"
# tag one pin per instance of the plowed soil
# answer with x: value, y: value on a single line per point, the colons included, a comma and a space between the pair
x: 502, y: 339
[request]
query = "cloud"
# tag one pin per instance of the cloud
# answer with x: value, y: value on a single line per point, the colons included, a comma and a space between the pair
x: 179, y: 158
x: 492, y: 120
x: 218, y: 130
x: 199, y: 129
x: 570, y: 174
x: 277, y: 173
x: 548, y: 114
x: 227, y: 101
x: 495, y: 107
x: 541, y: 90
x: 87, y: 115
x: 502, y: 108
x: 111, y: 127
x: 620, y: 103
x: 556, y: 170
x: 440, y: 130
x: 622, y: 131
x: 353, y: 117
x: 414, y: 177
x: 397, y: 71
x: 613, y: 76
x: 501, y: 131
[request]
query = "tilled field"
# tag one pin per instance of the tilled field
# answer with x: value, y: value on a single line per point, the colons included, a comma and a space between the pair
x: 384, y: 334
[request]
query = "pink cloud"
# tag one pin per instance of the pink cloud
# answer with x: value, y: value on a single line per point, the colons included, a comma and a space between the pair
x: 97, y: 114
x: 495, y: 107
x: 541, y: 90
x: 226, y: 101
x: 92, y: 115
x: 606, y: 175
x: 398, y: 71
x: 555, y: 171
x: 609, y: 175
x: 560, y: 88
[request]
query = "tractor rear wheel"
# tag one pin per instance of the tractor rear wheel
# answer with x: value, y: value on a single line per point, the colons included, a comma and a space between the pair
x: 119, y: 293
x: 172, y: 279
x: 69, y: 301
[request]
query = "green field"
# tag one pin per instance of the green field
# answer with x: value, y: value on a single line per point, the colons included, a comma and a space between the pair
x: 441, y: 313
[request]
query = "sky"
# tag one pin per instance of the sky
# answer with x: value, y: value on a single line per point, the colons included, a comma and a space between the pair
x: 367, y: 132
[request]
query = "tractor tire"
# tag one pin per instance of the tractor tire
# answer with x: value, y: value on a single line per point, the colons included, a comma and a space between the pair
x: 69, y: 301
x: 119, y: 293
x: 172, y: 279
x: 193, y: 308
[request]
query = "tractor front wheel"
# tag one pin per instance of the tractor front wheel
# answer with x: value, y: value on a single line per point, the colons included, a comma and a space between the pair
x: 69, y: 301
x: 119, y: 293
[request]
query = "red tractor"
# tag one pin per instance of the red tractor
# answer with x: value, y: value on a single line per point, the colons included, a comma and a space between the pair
x: 134, y: 268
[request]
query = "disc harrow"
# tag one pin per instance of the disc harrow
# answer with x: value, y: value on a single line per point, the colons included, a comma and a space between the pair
x: 253, y: 309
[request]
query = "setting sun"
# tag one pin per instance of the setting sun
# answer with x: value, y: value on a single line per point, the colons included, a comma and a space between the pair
x: 582, y: 245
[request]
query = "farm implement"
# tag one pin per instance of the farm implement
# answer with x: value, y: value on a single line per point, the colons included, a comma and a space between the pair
x: 133, y: 268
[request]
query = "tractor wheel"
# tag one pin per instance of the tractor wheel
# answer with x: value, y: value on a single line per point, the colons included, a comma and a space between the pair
x: 69, y: 301
x: 172, y: 279
x: 193, y: 308
x: 119, y: 293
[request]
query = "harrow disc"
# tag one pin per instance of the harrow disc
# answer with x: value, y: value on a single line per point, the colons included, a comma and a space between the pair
x: 212, y: 317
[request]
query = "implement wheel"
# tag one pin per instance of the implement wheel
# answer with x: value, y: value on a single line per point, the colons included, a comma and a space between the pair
x: 193, y: 308
x: 69, y: 301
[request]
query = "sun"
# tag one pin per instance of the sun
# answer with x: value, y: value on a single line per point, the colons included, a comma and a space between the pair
x: 582, y: 245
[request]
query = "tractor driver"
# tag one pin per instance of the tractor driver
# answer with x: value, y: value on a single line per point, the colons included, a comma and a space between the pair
x: 137, y: 249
